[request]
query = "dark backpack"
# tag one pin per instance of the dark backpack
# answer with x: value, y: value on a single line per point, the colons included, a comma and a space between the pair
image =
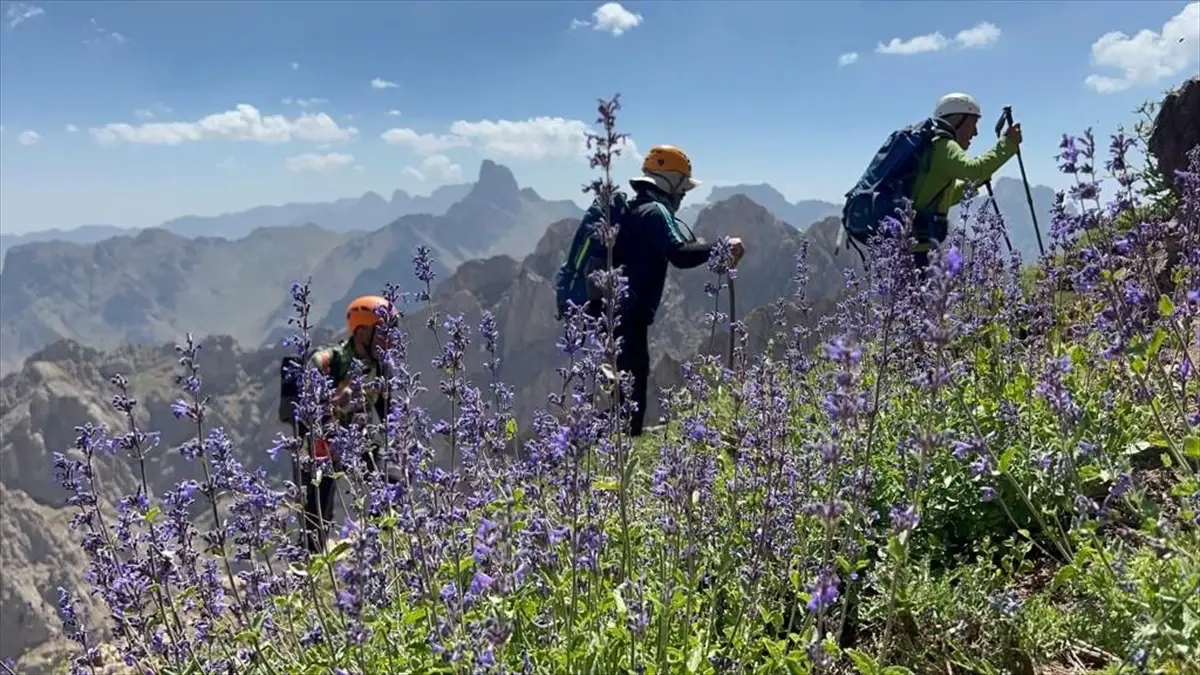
x: 888, y: 179
x: 586, y: 255
x: 290, y: 369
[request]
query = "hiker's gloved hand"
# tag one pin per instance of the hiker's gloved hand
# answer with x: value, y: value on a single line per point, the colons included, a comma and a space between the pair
x: 1014, y: 133
x: 344, y: 403
x: 737, y: 249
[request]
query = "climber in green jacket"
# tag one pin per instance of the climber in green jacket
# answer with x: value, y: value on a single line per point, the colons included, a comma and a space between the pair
x: 945, y: 169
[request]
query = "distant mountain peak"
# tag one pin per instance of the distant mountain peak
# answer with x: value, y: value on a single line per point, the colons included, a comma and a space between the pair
x: 496, y: 179
x: 753, y: 190
x: 373, y: 196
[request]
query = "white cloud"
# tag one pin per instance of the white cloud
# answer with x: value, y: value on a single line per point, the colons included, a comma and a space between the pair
x: 243, y: 123
x: 413, y: 174
x: 312, y: 161
x: 71, y: 128
x: 848, y: 58
x: 295, y: 66
x: 393, y: 113
x: 426, y: 144
x: 440, y: 166
x: 380, y: 83
x: 19, y: 12
x: 304, y: 102
x: 29, y: 138
x: 149, y: 113
x: 1147, y: 56
x: 102, y: 34
x: 227, y: 164
x: 922, y: 43
x: 534, y: 138
x: 358, y: 167
x: 612, y: 18
x: 982, y: 34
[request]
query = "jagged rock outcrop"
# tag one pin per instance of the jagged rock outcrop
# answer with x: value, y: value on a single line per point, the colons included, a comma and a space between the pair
x: 1176, y: 128
x: 66, y: 384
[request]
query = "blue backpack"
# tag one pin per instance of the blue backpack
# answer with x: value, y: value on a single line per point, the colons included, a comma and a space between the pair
x: 587, y: 254
x: 888, y: 179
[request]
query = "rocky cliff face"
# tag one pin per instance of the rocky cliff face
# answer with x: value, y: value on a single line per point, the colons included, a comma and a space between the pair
x: 151, y: 287
x: 1176, y: 128
x: 66, y: 384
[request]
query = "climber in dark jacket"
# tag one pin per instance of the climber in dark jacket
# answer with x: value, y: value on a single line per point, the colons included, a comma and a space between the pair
x: 649, y: 239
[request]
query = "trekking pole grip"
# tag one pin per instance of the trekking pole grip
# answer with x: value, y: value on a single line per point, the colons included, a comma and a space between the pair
x: 1006, y: 119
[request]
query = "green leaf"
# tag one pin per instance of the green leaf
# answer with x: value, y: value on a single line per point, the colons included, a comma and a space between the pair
x: 621, y: 608
x: 896, y: 670
x: 1006, y: 459
x: 605, y: 485
x: 1156, y: 343
x: 414, y: 616
x: 1064, y: 575
x: 1078, y: 354
x: 865, y: 663
x: 152, y: 514
x: 693, y: 661
x: 1191, y: 447
x: 510, y: 430
x: 1165, y: 306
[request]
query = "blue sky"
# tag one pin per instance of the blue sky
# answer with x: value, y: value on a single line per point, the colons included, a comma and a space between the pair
x: 144, y: 111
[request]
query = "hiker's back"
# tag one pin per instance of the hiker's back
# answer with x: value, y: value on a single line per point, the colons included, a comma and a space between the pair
x: 333, y: 361
x: 641, y: 253
x: 586, y: 254
x: 888, y: 179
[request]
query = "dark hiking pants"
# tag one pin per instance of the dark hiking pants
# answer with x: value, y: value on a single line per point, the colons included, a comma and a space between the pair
x: 318, y: 499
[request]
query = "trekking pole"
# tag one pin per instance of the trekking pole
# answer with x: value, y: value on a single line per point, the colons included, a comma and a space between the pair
x: 1006, y: 118
x: 732, y: 319
x: 1003, y: 228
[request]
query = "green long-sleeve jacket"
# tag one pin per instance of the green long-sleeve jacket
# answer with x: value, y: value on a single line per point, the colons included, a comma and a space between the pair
x: 946, y: 169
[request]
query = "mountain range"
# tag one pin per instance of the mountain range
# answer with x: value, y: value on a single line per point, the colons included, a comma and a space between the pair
x: 155, y: 285
x: 349, y: 214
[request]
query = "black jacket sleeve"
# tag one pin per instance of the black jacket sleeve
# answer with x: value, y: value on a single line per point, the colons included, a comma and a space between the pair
x: 669, y: 240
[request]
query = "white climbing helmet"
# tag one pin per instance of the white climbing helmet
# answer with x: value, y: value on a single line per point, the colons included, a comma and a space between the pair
x: 956, y: 104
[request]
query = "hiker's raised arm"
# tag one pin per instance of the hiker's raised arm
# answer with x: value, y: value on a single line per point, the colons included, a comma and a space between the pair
x: 678, y: 250
x: 951, y: 161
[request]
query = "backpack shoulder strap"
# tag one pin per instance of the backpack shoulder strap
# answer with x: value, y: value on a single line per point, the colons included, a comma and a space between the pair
x: 336, y: 366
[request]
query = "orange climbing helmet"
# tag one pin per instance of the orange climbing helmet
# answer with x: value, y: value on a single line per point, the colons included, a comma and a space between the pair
x: 669, y: 168
x: 362, y: 312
